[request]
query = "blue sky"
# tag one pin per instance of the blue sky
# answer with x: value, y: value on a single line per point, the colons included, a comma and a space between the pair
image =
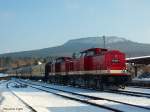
x: 35, y: 24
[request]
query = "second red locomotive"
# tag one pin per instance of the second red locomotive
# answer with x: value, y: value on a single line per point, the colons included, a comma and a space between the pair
x: 92, y: 68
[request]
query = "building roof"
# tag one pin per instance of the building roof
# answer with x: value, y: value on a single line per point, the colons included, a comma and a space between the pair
x: 139, y: 60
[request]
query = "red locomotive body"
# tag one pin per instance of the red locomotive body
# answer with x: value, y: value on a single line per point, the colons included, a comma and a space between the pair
x: 94, y: 67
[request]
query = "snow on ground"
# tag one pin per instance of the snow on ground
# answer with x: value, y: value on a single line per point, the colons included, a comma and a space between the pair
x: 141, y: 101
x: 9, y: 103
x: 46, y: 102
x: 101, y: 102
x: 2, y: 75
x: 143, y: 77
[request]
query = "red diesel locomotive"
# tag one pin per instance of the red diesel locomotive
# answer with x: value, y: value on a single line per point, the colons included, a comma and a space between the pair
x: 92, y: 68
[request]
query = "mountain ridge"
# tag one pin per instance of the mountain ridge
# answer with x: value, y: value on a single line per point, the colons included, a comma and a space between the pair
x: 131, y: 48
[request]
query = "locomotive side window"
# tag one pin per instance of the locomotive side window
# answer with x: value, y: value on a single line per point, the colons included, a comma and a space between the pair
x: 90, y: 53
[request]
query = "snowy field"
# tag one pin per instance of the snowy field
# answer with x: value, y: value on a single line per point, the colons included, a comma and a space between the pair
x: 8, y: 102
x: 40, y: 101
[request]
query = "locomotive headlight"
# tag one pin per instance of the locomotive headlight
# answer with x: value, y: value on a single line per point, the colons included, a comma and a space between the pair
x: 124, y: 71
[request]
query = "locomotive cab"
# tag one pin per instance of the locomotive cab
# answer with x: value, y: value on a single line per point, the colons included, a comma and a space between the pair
x: 90, y: 58
x: 62, y: 65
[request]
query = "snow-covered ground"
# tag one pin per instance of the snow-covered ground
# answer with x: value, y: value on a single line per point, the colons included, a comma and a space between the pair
x: 143, y: 77
x: 145, y: 102
x: 48, y: 102
x: 10, y: 103
x: 40, y: 101
x: 3, y: 75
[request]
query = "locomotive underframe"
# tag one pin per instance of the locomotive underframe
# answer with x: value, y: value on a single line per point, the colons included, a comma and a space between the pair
x: 90, y: 81
x: 87, y: 81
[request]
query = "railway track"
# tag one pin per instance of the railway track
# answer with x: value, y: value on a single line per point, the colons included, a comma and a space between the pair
x: 87, y: 98
x: 130, y: 93
x: 123, y: 92
x: 26, y: 104
x: 1, y: 82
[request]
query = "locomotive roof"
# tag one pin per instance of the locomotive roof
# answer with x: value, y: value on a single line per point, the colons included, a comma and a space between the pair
x: 95, y: 49
x: 115, y: 51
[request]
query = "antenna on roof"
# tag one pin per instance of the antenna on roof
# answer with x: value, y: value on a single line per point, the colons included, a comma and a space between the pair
x: 104, y: 40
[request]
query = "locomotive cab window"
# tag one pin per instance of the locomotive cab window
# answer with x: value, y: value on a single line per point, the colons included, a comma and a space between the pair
x: 82, y: 54
x: 59, y: 60
x: 90, y: 53
x: 77, y: 55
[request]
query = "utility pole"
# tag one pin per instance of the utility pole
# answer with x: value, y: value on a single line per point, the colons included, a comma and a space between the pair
x: 104, y: 39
